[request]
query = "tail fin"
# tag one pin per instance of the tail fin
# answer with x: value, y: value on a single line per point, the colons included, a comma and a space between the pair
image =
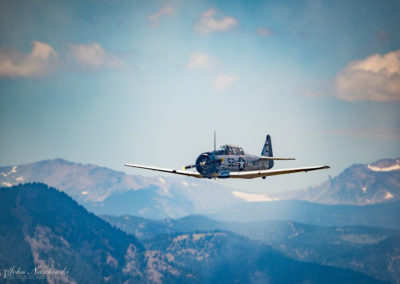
x: 267, y: 151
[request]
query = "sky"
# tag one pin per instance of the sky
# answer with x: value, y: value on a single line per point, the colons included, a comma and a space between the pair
x: 148, y: 82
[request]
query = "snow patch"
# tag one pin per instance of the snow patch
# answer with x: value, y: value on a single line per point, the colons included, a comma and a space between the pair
x: 253, y: 197
x: 388, y: 195
x: 7, y: 184
x: 12, y: 171
x: 387, y: 169
x: 164, y: 191
x: 20, y: 179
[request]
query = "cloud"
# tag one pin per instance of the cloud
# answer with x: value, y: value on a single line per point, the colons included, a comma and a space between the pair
x: 165, y: 11
x: 265, y: 32
x: 224, y: 81
x: 209, y: 24
x: 376, y: 78
x: 202, y: 61
x: 41, y: 61
x: 93, y: 56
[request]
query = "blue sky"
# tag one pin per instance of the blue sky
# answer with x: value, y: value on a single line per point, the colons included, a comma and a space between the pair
x: 109, y: 82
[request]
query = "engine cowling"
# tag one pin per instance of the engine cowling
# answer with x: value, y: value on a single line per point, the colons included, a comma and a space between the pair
x: 207, y: 164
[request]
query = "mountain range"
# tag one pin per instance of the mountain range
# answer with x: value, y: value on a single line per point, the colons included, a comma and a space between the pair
x: 370, y: 250
x: 105, y: 191
x: 44, y: 230
x: 359, y: 184
x: 183, y: 230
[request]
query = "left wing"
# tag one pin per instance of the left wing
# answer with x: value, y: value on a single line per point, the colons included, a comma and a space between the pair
x: 265, y: 173
x: 178, y: 172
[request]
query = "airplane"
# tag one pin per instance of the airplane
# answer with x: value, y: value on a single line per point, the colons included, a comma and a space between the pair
x: 232, y: 162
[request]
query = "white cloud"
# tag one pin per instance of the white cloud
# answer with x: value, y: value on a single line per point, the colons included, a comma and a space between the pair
x: 376, y: 78
x: 165, y: 11
x: 202, y: 61
x: 93, y: 56
x: 265, y: 32
x: 209, y: 24
x: 224, y: 81
x: 41, y: 61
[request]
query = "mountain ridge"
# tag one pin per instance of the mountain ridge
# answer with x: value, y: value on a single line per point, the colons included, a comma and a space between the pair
x: 102, y: 190
x: 105, y: 191
x: 45, y: 228
x: 359, y: 184
x: 369, y: 250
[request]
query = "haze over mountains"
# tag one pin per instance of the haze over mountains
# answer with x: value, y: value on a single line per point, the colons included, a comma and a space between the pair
x: 105, y: 191
x: 371, y: 250
x: 345, y: 230
x: 45, y: 229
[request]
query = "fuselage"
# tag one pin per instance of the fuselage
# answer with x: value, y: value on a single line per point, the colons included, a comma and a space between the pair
x: 219, y: 163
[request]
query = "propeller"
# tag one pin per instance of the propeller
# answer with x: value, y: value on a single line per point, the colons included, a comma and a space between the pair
x: 188, y: 167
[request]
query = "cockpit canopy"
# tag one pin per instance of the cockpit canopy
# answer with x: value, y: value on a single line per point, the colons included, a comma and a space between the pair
x: 231, y: 150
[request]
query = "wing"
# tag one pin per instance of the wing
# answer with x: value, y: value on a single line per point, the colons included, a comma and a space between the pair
x: 178, y: 172
x: 265, y: 173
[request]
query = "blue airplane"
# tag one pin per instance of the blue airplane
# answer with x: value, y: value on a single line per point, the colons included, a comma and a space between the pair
x: 232, y: 162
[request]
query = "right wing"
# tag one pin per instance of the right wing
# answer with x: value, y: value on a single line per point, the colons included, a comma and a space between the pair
x: 178, y: 172
x: 265, y: 173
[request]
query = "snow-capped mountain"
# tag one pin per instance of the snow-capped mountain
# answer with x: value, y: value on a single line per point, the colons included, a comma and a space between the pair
x: 359, y: 184
x: 105, y: 191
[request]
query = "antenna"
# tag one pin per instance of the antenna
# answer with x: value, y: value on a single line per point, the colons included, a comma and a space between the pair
x: 215, y: 143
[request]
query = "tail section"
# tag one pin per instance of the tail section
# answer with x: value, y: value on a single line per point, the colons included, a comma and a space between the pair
x: 267, y: 151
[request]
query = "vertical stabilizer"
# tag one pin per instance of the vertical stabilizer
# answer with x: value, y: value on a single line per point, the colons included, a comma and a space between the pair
x: 267, y: 150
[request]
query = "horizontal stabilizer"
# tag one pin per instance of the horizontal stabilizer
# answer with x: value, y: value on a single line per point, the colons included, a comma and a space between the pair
x: 264, y: 158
